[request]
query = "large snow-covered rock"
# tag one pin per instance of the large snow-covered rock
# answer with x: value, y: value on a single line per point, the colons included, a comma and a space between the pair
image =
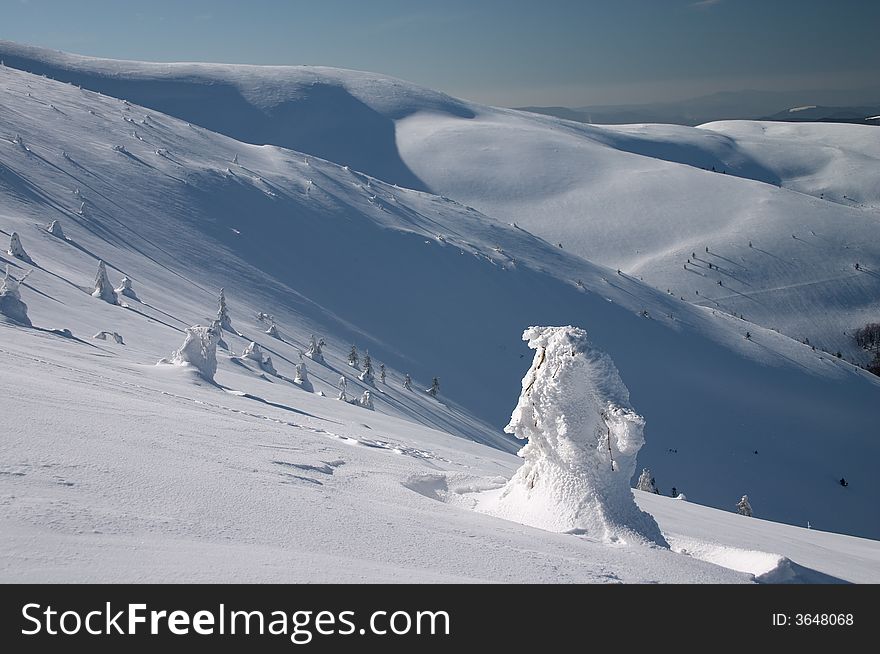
x: 583, y: 439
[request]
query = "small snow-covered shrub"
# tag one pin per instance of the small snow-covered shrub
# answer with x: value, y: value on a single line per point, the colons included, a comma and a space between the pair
x: 126, y: 289
x: 365, y: 400
x: 435, y: 388
x: 367, y: 375
x: 54, y: 229
x: 109, y: 336
x: 254, y: 352
x: 646, y: 482
x: 302, y: 377
x: 315, y: 352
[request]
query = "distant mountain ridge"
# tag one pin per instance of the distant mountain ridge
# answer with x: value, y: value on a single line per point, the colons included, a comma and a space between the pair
x: 834, y: 106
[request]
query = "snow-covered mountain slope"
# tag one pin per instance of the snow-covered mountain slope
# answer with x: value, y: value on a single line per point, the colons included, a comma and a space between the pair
x: 637, y: 198
x: 641, y: 198
x: 111, y: 474
x: 428, y: 286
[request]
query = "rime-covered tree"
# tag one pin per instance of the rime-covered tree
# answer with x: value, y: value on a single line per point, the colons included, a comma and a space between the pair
x: 366, y: 400
x: 223, y: 313
x: 199, y: 350
x: 407, y: 382
x: 353, y: 358
x: 382, y: 372
x: 315, y: 352
x: 16, y: 249
x: 254, y: 352
x: 54, y: 229
x: 743, y: 507
x: 125, y: 288
x: 646, y: 482
x: 435, y: 387
x: 218, y: 330
x: 103, y: 288
x: 367, y: 375
x: 11, y: 304
x: 868, y: 337
x: 583, y: 439
x: 342, y: 385
x: 302, y: 377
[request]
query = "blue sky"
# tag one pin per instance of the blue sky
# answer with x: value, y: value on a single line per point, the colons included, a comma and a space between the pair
x: 505, y: 52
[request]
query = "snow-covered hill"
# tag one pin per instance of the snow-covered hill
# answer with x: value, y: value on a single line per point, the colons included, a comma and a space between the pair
x: 640, y: 198
x: 93, y: 428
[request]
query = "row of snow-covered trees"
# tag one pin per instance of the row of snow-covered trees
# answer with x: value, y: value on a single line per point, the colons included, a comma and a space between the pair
x: 368, y: 374
x: 199, y: 350
x: 199, y: 347
x: 102, y: 287
x: 868, y: 338
x: 648, y: 484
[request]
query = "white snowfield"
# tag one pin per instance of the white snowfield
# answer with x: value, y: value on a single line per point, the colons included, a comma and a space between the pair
x: 113, y: 468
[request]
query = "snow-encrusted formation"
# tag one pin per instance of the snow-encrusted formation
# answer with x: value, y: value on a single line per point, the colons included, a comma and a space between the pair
x: 54, y: 229
x: 435, y: 387
x: 11, y: 304
x: 108, y: 336
x: 302, y: 377
x: 16, y: 249
x: 343, y: 383
x: 365, y: 400
x: 199, y: 350
x: 367, y: 375
x: 583, y: 439
x: 353, y: 358
x: 314, y: 352
x: 103, y: 288
x: 272, y: 330
x: 217, y: 329
x: 646, y: 482
x: 254, y: 352
x: 407, y: 382
x: 223, y: 313
x: 743, y: 507
x: 126, y: 289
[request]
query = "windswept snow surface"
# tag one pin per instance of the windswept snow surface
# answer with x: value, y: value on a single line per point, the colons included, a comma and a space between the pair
x: 642, y: 198
x: 97, y: 438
